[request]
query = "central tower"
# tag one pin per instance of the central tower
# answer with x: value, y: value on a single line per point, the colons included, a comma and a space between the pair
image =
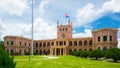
x: 64, y: 31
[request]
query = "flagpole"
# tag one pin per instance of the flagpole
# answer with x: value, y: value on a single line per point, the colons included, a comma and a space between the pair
x: 32, y: 29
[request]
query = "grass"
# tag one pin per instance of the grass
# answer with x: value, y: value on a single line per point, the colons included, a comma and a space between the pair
x: 62, y: 62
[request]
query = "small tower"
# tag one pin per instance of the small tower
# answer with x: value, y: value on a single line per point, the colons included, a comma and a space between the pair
x: 57, y: 23
x: 68, y: 21
x: 64, y: 31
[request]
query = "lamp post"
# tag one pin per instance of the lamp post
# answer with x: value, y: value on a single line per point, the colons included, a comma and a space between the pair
x: 32, y: 29
x: 29, y: 53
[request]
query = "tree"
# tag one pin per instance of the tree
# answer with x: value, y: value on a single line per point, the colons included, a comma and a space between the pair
x: 5, y: 60
x: 84, y: 54
x: 113, y: 53
x: 96, y: 54
x: 1, y: 44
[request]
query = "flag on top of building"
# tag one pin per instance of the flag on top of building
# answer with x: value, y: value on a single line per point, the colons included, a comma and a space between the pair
x: 67, y: 15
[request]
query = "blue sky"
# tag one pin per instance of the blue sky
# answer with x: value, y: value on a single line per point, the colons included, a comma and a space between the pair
x: 85, y: 15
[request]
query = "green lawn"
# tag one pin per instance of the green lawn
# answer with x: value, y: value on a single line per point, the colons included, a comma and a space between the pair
x: 62, y: 62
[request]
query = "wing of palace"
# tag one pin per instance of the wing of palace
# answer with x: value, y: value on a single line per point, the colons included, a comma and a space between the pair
x: 64, y: 43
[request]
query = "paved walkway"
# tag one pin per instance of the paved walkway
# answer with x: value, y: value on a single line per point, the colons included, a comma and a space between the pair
x: 42, y: 58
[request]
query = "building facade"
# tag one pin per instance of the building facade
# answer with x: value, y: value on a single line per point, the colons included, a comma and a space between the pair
x: 64, y: 44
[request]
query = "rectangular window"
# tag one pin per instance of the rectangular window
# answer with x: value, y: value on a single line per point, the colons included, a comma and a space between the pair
x: 60, y: 29
x: 20, y: 44
x: 52, y: 43
x: 12, y: 43
x: 25, y: 44
x: 98, y: 39
x: 57, y: 43
x: 64, y: 42
x: 63, y: 29
x: 104, y: 38
x: 29, y: 44
x: 66, y: 29
x: 7, y: 42
x: 110, y: 38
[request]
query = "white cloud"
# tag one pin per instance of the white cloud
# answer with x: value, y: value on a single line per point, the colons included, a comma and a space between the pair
x: 119, y: 43
x: 13, y: 7
x: 43, y: 5
x: 118, y: 37
x: 90, y: 13
x: 2, y: 28
x: 42, y: 30
x: 86, y: 33
x: 113, y: 5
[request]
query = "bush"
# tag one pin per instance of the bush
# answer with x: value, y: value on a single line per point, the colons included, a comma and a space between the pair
x: 75, y: 53
x: 1, y: 44
x: 27, y: 53
x: 113, y: 53
x: 84, y: 54
x: 96, y: 54
x: 5, y: 60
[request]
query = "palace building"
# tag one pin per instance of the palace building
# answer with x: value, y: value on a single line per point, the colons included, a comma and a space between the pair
x: 64, y: 43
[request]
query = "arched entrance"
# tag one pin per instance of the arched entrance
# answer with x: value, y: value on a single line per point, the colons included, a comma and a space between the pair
x: 104, y: 48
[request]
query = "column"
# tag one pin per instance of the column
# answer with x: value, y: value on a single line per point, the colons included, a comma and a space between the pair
x: 51, y: 51
x: 64, y: 51
x: 60, y: 51
x: 55, y: 52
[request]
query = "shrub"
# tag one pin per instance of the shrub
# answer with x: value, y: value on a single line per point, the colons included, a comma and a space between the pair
x: 113, y: 53
x: 5, y: 60
x: 84, y: 54
x: 96, y: 54
x: 27, y: 53
x: 75, y: 53
x: 1, y: 44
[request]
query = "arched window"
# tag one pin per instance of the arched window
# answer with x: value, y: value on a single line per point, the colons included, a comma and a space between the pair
x: 44, y: 52
x: 85, y: 43
x: 85, y: 49
x: 44, y: 44
x: 48, y: 52
x: 75, y: 49
x: 98, y: 47
x: 48, y: 44
x: 24, y: 51
x: 80, y: 43
x: 75, y: 43
x: 40, y: 52
x: 104, y: 48
x: 40, y: 44
x: 12, y: 51
x: 80, y: 49
x: 90, y: 49
x: 70, y: 43
x: 37, y: 51
x: 90, y: 42
x: 36, y: 44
